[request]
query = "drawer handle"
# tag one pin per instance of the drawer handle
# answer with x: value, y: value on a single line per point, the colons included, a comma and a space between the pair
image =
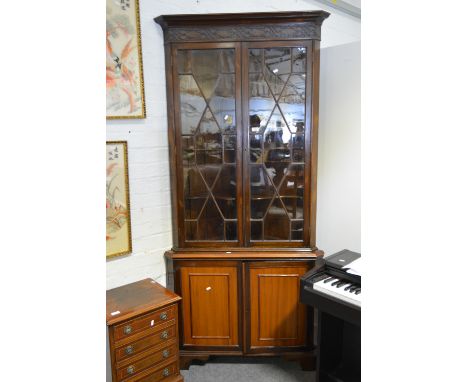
x: 130, y: 370
x: 129, y: 349
x: 128, y: 329
x: 163, y: 316
x: 165, y: 353
x: 164, y: 335
x: 165, y: 372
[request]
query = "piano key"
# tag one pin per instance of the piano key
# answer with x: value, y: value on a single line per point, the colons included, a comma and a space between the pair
x: 341, y: 283
x: 340, y: 293
x: 321, y: 277
x: 335, y: 282
x: 328, y: 280
x: 358, y: 291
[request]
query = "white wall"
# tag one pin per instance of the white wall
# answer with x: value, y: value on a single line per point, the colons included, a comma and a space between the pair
x: 339, y: 156
x: 147, y: 139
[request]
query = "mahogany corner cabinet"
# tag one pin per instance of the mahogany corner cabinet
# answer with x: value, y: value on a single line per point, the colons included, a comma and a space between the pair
x: 242, y: 99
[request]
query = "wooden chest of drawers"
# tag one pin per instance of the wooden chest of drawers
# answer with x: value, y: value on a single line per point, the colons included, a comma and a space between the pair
x: 142, y: 333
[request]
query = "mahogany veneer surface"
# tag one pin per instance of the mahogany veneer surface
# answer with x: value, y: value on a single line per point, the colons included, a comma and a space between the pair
x: 136, y: 298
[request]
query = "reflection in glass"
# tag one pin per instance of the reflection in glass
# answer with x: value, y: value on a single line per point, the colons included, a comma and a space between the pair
x: 294, y: 205
x: 293, y: 182
x: 192, y: 104
x: 193, y: 206
x: 276, y: 143
x: 276, y: 222
x: 299, y: 56
x: 208, y: 157
x: 187, y: 142
x: 209, y: 143
x: 209, y: 173
x: 190, y: 229
x: 277, y: 60
x: 230, y: 148
x: 231, y: 230
x: 292, y: 103
x: 205, y: 68
x: 193, y: 184
x: 226, y: 60
x: 297, y: 229
x: 255, y: 148
x: 261, y: 191
x: 210, y: 223
x: 256, y: 230
x: 261, y: 102
x: 255, y: 60
x: 223, y: 103
x: 224, y: 192
x: 184, y: 62
x: 276, y: 83
x: 208, y: 135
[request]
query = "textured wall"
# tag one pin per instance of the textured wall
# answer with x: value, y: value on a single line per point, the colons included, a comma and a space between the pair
x: 147, y: 139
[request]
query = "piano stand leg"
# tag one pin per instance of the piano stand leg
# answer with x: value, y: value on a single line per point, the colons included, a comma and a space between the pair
x: 339, y: 357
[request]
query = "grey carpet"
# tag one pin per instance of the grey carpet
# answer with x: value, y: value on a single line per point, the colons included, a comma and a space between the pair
x: 237, y: 369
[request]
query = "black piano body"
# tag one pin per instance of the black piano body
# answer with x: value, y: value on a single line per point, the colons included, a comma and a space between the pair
x: 338, y: 322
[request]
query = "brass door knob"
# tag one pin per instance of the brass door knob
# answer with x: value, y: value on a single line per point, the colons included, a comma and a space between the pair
x: 165, y: 353
x: 130, y: 370
x: 128, y: 329
x: 129, y: 349
x: 163, y: 316
x: 164, y: 334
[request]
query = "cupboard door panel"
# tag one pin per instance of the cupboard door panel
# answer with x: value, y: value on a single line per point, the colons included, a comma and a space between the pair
x: 210, y: 306
x: 276, y: 316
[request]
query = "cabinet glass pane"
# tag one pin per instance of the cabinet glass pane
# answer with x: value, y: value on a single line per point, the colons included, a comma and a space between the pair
x: 276, y: 149
x: 209, y: 143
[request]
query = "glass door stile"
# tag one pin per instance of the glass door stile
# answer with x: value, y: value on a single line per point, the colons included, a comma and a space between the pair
x: 209, y: 139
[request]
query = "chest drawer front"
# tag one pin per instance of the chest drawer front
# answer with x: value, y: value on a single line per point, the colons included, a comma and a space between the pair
x: 133, y: 348
x: 133, y: 368
x: 145, y: 322
x: 160, y: 374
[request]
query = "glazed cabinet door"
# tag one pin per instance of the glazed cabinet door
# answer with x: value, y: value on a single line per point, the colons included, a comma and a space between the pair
x: 276, y: 317
x: 210, y: 307
x: 277, y: 86
x: 208, y: 136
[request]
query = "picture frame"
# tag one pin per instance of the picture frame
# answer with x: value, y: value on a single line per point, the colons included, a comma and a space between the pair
x: 118, y: 221
x: 125, y: 93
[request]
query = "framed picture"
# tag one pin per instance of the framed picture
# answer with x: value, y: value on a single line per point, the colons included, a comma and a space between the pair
x: 118, y: 227
x: 125, y: 95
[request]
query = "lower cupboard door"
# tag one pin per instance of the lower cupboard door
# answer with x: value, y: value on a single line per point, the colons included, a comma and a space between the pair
x: 277, y: 318
x: 210, y: 305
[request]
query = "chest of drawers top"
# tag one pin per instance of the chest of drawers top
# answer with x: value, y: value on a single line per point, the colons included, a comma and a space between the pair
x: 131, y: 300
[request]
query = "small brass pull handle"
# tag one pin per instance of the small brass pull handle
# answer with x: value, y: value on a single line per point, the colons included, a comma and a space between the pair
x: 165, y: 334
x: 165, y: 353
x: 128, y: 329
x: 130, y: 370
x: 129, y: 349
x: 165, y: 372
x: 163, y: 316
